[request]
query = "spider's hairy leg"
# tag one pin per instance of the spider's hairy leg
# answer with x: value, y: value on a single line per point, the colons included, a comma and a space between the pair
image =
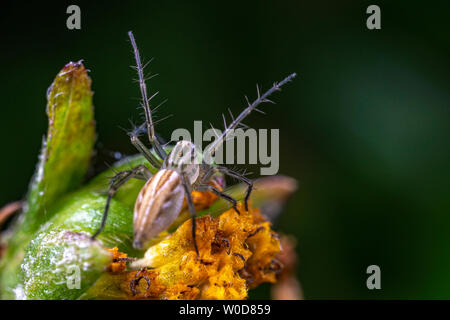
x: 210, y: 188
x: 261, y: 98
x: 188, y: 192
x: 240, y: 177
x: 140, y: 172
x: 137, y: 143
x: 146, y: 101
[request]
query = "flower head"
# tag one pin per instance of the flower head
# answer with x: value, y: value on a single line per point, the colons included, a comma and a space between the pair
x: 236, y: 252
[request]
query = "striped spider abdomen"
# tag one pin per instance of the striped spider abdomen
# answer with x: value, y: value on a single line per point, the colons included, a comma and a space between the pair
x: 158, y: 204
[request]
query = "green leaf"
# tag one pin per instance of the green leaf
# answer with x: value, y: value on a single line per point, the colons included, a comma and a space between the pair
x: 71, y: 135
x: 63, y: 162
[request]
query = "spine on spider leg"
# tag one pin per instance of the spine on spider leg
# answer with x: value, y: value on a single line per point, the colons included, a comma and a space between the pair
x: 145, y: 98
x: 251, y: 106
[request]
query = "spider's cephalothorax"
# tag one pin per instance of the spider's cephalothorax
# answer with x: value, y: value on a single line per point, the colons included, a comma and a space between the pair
x: 181, y: 171
x: 184, y: 158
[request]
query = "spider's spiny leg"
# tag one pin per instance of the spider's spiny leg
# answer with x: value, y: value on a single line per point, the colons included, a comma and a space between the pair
x: 146, y: 101
x: 137, y: 143
x: 242, y: 178
x: 210, y: 188
x: 139, y: 172
x: 190, y: 202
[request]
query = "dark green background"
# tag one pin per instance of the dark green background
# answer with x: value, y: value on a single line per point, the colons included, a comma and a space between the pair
x: 364, y: 128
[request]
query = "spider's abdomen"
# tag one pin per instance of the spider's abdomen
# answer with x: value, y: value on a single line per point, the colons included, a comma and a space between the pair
x: 158, y: 204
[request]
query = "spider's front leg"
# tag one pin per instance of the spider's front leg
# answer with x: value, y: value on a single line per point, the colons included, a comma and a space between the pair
x: 146, y: 101
x: 140, y: 172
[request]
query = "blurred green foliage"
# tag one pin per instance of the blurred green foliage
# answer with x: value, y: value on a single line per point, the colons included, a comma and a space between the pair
x: 364, y: 127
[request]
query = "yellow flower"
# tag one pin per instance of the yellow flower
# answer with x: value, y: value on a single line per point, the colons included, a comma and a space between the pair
x: 236, y: 252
